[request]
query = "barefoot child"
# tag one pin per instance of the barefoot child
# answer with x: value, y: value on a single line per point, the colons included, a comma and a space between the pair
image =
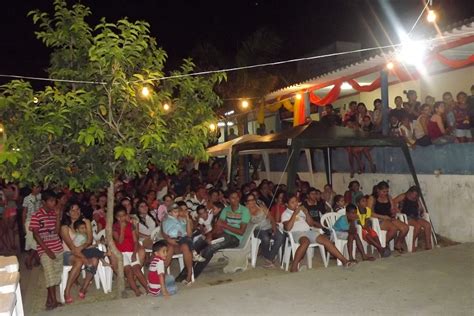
x: 160, y: 283
x: 368, y: 234
x: 345, y: 229
x: 45, y: 227
x: 126, y: 240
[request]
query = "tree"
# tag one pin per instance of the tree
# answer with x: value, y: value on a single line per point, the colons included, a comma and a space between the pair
x: 84, y: 135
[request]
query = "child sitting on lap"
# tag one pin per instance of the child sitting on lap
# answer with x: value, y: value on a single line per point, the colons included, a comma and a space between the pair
x: 160, y: 283
x: 80, y: 238
x: 345, y: 229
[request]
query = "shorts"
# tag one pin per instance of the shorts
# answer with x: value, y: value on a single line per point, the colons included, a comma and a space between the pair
x: 310, y: 234
x: 67, y: 258
x: 93, y: 253
x: 170, y: 284
x: 342, y: 235
x: 127, y: 259
x: 368, y: 231
x: 53, y: 269
x: 463, y: 133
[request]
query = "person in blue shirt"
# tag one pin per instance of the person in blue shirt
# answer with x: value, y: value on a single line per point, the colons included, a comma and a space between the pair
x: 345, y: 228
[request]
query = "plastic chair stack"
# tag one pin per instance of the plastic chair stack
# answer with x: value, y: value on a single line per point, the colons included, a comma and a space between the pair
x: 11, y: 302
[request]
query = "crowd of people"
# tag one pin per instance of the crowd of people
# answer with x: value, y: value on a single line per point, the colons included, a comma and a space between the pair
x: 196, y: 216
x: 433, y: 122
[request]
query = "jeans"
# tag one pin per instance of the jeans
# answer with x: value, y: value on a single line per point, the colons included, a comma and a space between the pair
x: 269, y: 252
x: 208, y: 252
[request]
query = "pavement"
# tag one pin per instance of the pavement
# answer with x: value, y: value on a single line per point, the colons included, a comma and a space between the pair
x: 436, y: 282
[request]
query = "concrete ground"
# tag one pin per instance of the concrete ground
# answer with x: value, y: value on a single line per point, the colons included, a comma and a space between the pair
x: 437, y: 282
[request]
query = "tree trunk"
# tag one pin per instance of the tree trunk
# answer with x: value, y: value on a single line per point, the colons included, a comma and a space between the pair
x: 110, y: 238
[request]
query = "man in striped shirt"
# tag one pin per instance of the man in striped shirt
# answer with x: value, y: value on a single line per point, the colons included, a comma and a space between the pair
x: 45, y: 227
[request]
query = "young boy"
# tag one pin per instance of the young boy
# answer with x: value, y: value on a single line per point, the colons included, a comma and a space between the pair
x: 158, y: 281
x: 205, y: 218
x: 44, y: 225
x: 368, y: 234
x: 345, y: 229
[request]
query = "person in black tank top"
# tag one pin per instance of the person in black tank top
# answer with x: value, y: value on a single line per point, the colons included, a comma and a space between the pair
x: 410, y: 206
x: 381, y: 203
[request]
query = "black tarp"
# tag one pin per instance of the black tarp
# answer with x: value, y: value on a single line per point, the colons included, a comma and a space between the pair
x: 317, y: 135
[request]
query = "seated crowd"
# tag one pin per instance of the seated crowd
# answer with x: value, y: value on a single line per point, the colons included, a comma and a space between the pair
x: 433, y: 122
x: 158, y: 216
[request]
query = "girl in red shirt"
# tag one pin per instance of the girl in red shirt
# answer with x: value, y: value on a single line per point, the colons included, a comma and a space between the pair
x: 125, y: 237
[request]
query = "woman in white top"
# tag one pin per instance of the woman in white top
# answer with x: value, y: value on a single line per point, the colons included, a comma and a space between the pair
x: 421, y: 126
x: 73, y: 255
x: 297, y: 221
x: 146, y: 224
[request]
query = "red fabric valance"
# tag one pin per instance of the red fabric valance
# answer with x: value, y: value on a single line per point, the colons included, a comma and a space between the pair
x: 371, y: 87
x: 454, y: 63
x: 332, y: 96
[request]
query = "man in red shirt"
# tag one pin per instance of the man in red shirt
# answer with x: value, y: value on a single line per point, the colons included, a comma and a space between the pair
x: 45, y: 227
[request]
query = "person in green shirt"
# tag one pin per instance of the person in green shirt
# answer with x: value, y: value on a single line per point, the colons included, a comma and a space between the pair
x: 230, y: 227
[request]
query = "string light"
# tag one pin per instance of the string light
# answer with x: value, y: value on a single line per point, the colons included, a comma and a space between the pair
x: 145, y: 92
x: 236, y: 68
x: 431, y: 17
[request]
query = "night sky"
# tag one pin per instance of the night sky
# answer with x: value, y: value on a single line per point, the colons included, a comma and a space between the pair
x: 179, y: 25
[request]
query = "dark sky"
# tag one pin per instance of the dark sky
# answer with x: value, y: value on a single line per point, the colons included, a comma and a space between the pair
x: 179, y: 25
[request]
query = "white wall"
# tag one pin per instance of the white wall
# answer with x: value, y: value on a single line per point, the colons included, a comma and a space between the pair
x: 449, y: 198
x: 434, y: 85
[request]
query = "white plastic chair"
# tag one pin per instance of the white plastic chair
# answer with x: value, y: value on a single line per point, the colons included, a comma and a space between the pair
x: 328, y: 220
x: 8, y: 304
x: 409, y: 237
x: 255, y: 245
x: 239, y: 257
x: 291, y: 247
x: 381, y: 233
x: 9, y: 264
x: 10, y: 283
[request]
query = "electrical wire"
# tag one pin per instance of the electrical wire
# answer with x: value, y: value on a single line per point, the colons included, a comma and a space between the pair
x: 200, y: 73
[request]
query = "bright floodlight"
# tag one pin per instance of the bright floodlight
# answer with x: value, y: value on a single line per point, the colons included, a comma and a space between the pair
x: 412, y: 53
x: 245, y: 104
x: 166, y: 107
x: 390, y: 66
x: 431, y: 17
x: 145, y: 92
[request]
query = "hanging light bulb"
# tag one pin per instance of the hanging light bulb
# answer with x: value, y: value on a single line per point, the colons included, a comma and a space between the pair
x: 166, y: 107
x: 431, y: 17
x: 212, y: 127
x: 390, y: 66
x: 145, y: 92
x: 35, y: 100
x: 298, y: 96
x: 245, y: 104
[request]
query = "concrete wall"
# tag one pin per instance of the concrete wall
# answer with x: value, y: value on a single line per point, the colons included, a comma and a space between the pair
x: 449, y: 198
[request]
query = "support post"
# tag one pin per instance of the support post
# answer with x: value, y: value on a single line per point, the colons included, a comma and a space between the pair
x: 246, y: 157
x: 384, y: 95
x: 328, y: 164
x: 226, y: 131
x: 277, y: 122
x: 294, y: 153
x: 307, y: 106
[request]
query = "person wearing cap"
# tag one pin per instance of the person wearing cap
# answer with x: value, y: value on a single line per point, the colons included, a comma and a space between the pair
x: 177, y: 232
